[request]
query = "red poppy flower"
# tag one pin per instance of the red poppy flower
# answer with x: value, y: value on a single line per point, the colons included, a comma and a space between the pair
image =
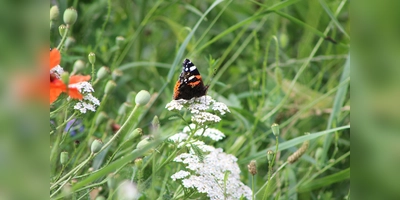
x: 57, y: 86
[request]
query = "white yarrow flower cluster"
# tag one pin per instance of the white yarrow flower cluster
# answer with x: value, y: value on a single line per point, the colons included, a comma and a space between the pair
x: 88, y: 102
x: 199, y: 107
x: 57, y: 71
x: 211, y: 133
x: 207, y: 175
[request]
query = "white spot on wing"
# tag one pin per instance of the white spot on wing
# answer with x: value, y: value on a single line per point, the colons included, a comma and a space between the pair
x: 192, y: 68
x: 191, y: 77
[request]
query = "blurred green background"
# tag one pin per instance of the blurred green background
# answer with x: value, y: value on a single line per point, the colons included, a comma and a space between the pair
x: 243, y: 43
x: 283, y: 62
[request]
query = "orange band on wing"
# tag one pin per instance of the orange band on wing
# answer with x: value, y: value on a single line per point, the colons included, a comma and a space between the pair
x: 176, y: 89
x: 194, y: 84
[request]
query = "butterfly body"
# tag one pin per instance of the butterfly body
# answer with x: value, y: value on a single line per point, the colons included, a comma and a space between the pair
x: 190, y: 84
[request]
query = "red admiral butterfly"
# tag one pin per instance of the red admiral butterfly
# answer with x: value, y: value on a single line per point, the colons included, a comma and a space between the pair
x: 190, y: 83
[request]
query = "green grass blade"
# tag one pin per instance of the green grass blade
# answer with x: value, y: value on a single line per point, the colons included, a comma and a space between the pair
x: 293, y: 142
x: 178, y: 57
x: 325, y: 181
x: 333, y: 18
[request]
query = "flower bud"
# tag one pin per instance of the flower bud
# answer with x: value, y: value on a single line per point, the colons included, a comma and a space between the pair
x: 275, y: 129
x: 62, y: 29
x: 120, y: 41
x: 155, y: 124
x: 70, y: 16
x: 101, y: 118
x: 142, y: 98
x: 252, y: 167
x: 270, y: 155
x: 65, y: 78
x: 69, y: 41
x: 135, y: 133
x: 111, y: 182
x: 142, y: 144
x: 283, y: 40
x: 278, y: 75
x: 96, y: 145
x: 64, y: 157
x: 79, y: 65
x: 131, y: 96
x: 110, y: 86
x: 138, y: 162
x: 54, y: 13
x: 122, y: 109
x: 318, y: 153
x: 116, y: 74
x: 92, y: 58
x: 115, y: 127
x: 102, y: 73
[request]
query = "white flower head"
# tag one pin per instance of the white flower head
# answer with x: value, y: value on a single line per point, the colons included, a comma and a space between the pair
x: 128, y: 190
x: 180, y: 175
x: 88, y: 102
x: 179, y: 137
x: 174, y: 105
x: 198, y: 104
x: 57, y: 71
x: 207, y: 175
x: 205, y: 117
x: 212, y: 133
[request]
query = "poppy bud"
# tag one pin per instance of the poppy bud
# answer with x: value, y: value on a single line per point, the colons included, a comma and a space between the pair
x: 283, y: 40
x: 101, y: 118
x: 120, y: 41
x: 70, y: 16
x: 102, y: 73
x: 275, y: 129
x: 79, y: 65
x: 142, y: 98
x: 65, y: 78
x: 62, y: 29
x: 135, y: 133
x: 138, y: 162
x: 54, y: 12
x: 64, y: 157
x: 131, y: 96
x: 270, y: 155
x: 111, y: 181
x: 110, y: 86
x: 92, y: 58
x: 122, y: 109
x: 155, y: 124
x: 142, y: 144
x: 96, y: 145
x: 116, y: 73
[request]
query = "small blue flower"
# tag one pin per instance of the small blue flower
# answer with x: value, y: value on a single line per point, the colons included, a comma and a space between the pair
x: 74, y: 126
